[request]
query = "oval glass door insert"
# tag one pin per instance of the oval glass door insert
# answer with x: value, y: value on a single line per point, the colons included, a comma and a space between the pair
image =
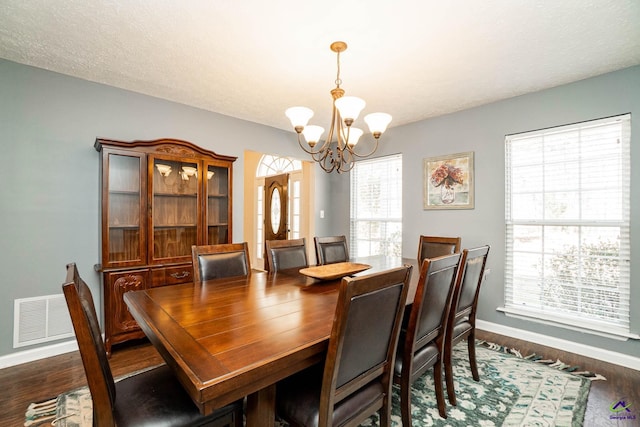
x: 275, y: 210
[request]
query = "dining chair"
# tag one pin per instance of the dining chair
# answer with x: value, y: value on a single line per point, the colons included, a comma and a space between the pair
x: 435, y: 246
x: 462, y: 316
x: 331, y: 249
x: 354, y: 382
x: 217, y: 261
x: 153, y: 397
x: 286, y: 254
x: 422, y: 338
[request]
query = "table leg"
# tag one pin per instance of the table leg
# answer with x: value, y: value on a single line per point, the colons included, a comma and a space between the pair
x: 261, y: 407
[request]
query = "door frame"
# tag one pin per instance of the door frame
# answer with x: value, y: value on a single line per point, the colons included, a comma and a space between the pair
x: 306, y: 176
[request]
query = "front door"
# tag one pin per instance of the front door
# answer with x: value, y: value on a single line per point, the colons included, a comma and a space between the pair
x: 276, y: 201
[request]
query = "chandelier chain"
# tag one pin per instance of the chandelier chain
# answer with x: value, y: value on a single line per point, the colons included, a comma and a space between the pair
x: 338, y: 80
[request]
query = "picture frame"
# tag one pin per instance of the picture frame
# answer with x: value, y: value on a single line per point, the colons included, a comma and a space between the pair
x: 449, y: 181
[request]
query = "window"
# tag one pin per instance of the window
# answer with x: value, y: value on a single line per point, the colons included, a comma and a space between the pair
x: 295, y: 197
x: 567, y: 225
x: 274, y: 165
x: 376, y: 207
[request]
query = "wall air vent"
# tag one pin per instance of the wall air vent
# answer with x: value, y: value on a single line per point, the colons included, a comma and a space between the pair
x: 40, y: 319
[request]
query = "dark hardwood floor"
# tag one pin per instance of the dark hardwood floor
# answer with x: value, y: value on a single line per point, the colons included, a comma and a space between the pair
x: 41, y: 380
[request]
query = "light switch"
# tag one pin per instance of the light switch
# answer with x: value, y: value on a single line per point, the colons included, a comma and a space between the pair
x: 321, y: 213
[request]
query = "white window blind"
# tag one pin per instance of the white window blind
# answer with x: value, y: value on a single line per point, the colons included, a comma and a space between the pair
x: 376, y: 207
x: 567, y: 225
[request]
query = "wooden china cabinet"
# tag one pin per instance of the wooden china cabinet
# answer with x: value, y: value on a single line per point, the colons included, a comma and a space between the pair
x: 158, y: 198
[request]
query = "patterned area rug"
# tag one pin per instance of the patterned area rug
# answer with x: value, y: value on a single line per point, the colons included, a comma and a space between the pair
x: 513, y: 391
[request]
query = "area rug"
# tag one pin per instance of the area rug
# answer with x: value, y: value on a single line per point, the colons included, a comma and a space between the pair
x: 513, y: 391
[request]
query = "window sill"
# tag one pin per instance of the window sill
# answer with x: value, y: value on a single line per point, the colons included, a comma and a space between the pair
x: 605, y: 331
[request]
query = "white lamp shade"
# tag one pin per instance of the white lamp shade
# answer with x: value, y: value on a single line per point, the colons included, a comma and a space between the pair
x: 189, y: 170
x: 354, y: 136
x: 377, y: 122
x: 312, y: 133
x: 164, y: 170
x: 350, y: 107
x: 299, y: 116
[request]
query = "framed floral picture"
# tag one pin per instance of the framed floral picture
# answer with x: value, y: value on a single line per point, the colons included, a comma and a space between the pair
x: 448, y: 182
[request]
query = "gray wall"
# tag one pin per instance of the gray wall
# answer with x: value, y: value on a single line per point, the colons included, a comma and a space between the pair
x: 49, y: 185
x: 49, y: 174
x: 482, y: 130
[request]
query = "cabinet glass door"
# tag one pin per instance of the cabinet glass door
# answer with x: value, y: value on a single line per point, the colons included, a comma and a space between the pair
x: 175, y: 209
x: 217, y: 184
x: 124, y: 241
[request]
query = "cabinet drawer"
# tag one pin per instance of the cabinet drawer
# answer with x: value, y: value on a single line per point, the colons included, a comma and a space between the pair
x: 172, y: 275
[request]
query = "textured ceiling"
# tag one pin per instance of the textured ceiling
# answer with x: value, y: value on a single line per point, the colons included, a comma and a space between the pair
x: 252, y: 59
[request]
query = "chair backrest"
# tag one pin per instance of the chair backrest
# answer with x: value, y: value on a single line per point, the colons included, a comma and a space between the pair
x: 332, y: 249
x: 92, y: 349
x: 285, y: 254
x: 216, y: 261
x: 364, y: 337
x: 470, y: 275
x: 430, y: 309
x: 435, y: 246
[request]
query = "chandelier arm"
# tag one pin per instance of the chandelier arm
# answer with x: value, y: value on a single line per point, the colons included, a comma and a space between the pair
x: 347, y: 159
x: 332, y: 128
x: 327, y: 163
x: 351, y: 165
x: 352, y: 151
x: 344, y: 162
x: 312, y: 152
x: 323, y: 154
x: 342, y: 138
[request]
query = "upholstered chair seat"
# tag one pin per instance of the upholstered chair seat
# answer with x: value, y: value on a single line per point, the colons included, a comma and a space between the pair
x: 301, y: 402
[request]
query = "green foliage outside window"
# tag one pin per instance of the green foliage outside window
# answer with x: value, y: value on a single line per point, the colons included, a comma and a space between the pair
x: 585, y: 276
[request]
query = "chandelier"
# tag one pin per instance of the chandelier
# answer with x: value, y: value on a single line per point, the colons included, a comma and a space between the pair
x: 337, y: 152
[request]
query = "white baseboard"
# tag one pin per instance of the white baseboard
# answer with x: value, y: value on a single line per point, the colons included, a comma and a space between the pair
x: 21, y: 357
x: 564, y: 345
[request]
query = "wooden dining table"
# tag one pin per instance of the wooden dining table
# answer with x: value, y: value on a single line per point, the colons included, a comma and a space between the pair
x: 230, y: 338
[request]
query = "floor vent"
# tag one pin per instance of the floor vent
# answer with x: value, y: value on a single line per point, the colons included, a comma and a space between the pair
x: 40, y: 319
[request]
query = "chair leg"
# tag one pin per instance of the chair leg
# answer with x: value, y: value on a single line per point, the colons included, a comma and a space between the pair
x: 471, y: 343
x: 385, y: 412
x: 448, y: 372
x: 405, y: 401
x: 437, y: 377
x: 448, y: 365
x: 239, y: 417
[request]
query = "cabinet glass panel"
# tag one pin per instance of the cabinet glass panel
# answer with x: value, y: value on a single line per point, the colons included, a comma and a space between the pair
x: 217, y: 205
x: 124, y: 208
x: 175, y: 208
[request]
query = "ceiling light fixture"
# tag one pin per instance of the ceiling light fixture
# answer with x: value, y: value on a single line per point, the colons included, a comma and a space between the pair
x: 340, y: 154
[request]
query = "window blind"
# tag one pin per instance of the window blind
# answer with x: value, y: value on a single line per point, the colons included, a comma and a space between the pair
x: 376, y: 207
x: 567, y: 246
